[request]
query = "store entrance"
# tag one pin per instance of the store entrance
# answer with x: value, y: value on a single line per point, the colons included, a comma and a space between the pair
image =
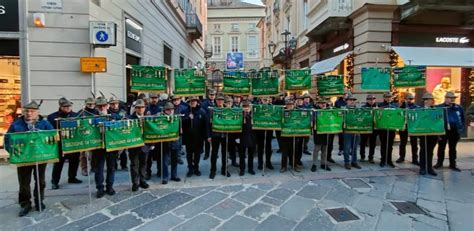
x: 130, y: 60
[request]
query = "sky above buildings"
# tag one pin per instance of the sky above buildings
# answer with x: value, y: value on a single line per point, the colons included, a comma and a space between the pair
x: 258, y: 2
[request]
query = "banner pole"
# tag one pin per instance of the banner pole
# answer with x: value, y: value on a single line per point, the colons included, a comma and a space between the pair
x: 161, y: 163
x: 40, y: 200
x: 226, y: 152
x: 386, y: 148
x: 264, y: 155
x: 129, y: 170
x: 426, y: 155
x: 89, y: 175
x: 294, y: 153
x: 327, y: 150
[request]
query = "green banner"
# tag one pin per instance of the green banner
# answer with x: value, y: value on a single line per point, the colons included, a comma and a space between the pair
x: 390, y: 119
x: 81, y: 134
x: 236, y: 83
x: 359, y: 120
x: 29, y: 148
x: 161, y: 128
x: 267, y: 117
x: 298, y: 80
x: 409, y: 76
x: 265, y: 83
x: 296, y: 123
x: 375, y: 78
x: 227, y: 120
x: 148, y: 79
x: 329, y: 121
x: 330, y: 85
x: 123, y: 134
x: 426, y: 122
x: 189, y: 82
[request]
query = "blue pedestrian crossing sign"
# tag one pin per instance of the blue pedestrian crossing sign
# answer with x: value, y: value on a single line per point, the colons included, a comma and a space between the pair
x: 103, y: 33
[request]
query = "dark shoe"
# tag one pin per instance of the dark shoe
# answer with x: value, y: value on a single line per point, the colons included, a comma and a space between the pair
x: 278, y: 151
x: 110, y: 191
x: 252, y: 172
x: 330, y: 160
x: 296, y: 169
x: 306, y: 152
x: 382, y: 165
x: 241, y: 173
x: 74, y: 181
x: 433, y: 173
x: 371, y: 161
x: 180, y: 162
x: 270, y: 166
x: 124, y: 168
x: 362, y: 159
x: 234, y: 164
x: 347, y: 166
x: 391, y: 164
x: 260, y: 167
x: 54, y: 186
x: 283, y: 170
x: 325, y: 167
x: 164, y: 182
x: 313, y: 168
x: 300, y: 163
x: 438, y: 166
x: 400, y: 160
x: 148, y: 177
x: 212, y: 175
x: 175, y: 179
x: 135, y: 187
x: 206, y: 156
x: 24, y: 211
x: 100, y: 193
x: 340, y: 153
x: 416, y: 163
x: 197, y: 173
x: 189, y: 174
x: 454, y: 168
x: 144, y: 185
x: 356, y: 165
x: 43, y: 207
x: 422, y: 172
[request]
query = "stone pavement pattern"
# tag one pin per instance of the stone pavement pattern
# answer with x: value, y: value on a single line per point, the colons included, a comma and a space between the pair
x: 290, y: 201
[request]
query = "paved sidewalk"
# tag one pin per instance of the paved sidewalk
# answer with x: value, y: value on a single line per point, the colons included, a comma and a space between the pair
x: 289, y: 201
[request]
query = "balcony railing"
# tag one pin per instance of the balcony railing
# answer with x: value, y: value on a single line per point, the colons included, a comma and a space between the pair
x: 323, y: 9
x: 193, y: 26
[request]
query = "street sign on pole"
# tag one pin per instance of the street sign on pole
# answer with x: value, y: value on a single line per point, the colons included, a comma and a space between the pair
x: 103, y: 33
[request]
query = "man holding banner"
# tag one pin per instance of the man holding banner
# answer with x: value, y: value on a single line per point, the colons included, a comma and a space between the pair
x: 118, y: 113
x: 31, y: 120
x: 427, y: 142
x: 171, y: 151
x: 351, y: 140
x: 247, y: 140
x: 65, y: 111
x: 206, y: 104
x: 288, y: 144
x: 218, y: 139
x: 264, y: 142
x: 320, y: 140
x: 195, y: 131
x: 368, y: 138
x: 153, y: 108
x: 408, y: 104
x: 138, y: 157
x: 387, y: 137
x: 88, y: 110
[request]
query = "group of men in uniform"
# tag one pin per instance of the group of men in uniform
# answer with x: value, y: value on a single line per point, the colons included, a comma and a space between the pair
x: 197, y: 137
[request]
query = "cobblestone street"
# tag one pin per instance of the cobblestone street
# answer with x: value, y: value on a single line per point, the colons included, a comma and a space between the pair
x: 289, y: 201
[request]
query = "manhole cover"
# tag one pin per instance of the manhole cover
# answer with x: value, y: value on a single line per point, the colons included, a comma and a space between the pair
x: 356, y: 183
x: 408, y: 208
x: 342, y: 214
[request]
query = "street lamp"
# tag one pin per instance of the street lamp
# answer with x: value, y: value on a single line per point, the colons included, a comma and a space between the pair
x: 290, y: 46
x: 271, y: 49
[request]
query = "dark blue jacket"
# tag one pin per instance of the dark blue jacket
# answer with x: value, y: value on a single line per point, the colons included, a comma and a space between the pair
x: 171, y: 145
x: 118, y: 114
x: 248, y: 138
x: 340, y: 102
x: 87, y: 112
x: 59, y: 114
x: 366, y: 105
x: 152, y: 109
x: 409, y: 106
x: 206, y: 103
x: 455, y: 117
x: 196, y: 130
x: 385, y: 104
x: 21, y: 126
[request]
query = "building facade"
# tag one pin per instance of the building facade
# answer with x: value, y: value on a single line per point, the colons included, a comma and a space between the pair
x: 234, y: 35
x: 55, y: 34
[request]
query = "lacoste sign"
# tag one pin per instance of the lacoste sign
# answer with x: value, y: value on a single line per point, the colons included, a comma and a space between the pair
x: 460, y: 40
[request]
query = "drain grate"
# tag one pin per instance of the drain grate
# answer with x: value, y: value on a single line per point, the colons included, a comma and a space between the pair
x: 342, y: 214
x: 356, y: 183
x: 407, y: 207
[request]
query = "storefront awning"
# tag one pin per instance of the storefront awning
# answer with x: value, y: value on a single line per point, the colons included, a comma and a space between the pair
x: 328, y: 64
x: 436, y: 56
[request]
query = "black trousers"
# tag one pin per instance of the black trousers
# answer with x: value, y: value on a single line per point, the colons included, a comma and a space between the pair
x: 216, y: 143
x: 330, y: 146
x: 233, y: 148
x: 299, y: 149
x: 267, y: 141
x: 207, y: 147
x: 250, y: 154
x: 279, y: 141
x: 102, y: 159
x: 72, y: 169
x: 123, y: 158
x: 154, y: 154
x: 427, y: 145
x: 138, y: 165
x: 288, y: 151
x: 193, y: 153
x: 386, y: 145
x: 340, y: 142
x: 451, y: 138
x: 305, y: 146
x: 413, y: 144
x: 371, y: 140
x: 24, y: 181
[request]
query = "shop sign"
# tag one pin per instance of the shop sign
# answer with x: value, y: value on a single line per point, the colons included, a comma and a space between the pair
x: 433, y: 40
x: 460, y: 40
x: 341, y: 48
x: 8, y: 15
x: 133, y: 36
x: 93, y: 64
x: 52, y: 5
